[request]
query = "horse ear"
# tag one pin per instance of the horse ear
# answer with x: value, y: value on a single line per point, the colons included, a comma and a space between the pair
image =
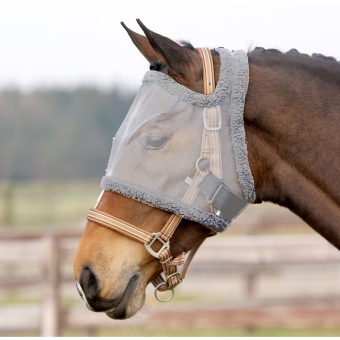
x: 143, y: 45
x: 169, y: 52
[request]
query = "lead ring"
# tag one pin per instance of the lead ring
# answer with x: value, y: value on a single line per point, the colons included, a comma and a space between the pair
x: 156, y: 290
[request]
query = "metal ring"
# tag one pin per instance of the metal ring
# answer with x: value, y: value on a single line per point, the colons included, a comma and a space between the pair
x: 172, y: 293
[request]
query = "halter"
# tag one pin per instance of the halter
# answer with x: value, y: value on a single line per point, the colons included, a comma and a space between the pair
x: 150, y: 240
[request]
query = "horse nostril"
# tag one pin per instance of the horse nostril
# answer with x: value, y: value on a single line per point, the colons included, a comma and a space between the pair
x: 88, y: 283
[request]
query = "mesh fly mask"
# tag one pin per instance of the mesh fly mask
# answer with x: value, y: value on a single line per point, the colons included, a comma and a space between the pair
x: 183, y: 152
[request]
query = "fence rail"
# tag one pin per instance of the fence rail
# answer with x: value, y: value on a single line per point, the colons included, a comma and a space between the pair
x: 45, y: 259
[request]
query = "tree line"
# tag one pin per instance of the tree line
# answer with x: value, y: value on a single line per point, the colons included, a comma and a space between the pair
x: 59, y: 133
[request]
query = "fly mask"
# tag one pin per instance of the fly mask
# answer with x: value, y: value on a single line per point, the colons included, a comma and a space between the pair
x: 183, y: 152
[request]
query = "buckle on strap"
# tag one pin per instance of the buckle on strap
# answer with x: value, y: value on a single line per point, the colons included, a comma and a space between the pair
x: 156, y: 237
x: 157, y: 293
x: 174, y: 276
x: 212, y: 118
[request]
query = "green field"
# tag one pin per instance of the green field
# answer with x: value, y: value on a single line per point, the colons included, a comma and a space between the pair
x: 64, y: 204
x: 200, y: 332
x: 38, y: 204
x: 227, y: 332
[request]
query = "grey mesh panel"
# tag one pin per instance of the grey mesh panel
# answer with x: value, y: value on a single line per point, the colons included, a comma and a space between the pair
x: 159, y: 142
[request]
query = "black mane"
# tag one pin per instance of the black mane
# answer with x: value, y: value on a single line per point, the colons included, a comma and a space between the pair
x: 294, y: 51
x: 271, y: 51
x: 295, y: 63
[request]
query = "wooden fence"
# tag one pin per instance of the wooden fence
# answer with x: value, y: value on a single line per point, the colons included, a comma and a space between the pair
x: 45, y: 262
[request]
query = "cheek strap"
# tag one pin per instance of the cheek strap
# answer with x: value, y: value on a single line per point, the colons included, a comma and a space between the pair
x: 208, y: 70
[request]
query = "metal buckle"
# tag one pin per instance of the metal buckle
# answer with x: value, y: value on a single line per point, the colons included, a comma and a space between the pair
x: 171, y: 276
x: 156, y: 238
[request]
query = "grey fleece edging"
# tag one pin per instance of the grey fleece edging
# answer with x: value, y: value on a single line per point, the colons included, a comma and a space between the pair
x: 206, y: 100
x: 238, y: 96
x: 164, y: 202
x: 233, y: 78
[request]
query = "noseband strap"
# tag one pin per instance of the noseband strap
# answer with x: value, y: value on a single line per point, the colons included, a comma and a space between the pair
x: 118, y: 225
x: 158, y: 244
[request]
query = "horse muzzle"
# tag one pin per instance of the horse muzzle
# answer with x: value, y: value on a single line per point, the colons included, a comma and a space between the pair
x: 115, y: 307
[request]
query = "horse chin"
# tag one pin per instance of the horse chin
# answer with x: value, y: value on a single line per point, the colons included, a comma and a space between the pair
x: 128, y: 307
x: 131, y: 302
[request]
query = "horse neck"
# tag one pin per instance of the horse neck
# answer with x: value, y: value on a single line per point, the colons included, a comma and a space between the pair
x: 291, y: 124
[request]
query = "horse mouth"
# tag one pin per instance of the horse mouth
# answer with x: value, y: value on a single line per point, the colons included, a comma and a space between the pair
x: 120, y: 311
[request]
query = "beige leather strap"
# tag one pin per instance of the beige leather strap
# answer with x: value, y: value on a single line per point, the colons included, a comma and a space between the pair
x: 212, y: 125
x: 118, y: 225
x: 213, y: 116
x: 170, y: 227
x: 189, y: 196
x: 208, y: 70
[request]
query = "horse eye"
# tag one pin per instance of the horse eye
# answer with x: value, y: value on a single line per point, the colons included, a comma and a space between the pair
x: 155, y: 141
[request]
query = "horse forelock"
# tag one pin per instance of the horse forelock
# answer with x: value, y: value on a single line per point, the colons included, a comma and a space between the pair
x: 186, y: 44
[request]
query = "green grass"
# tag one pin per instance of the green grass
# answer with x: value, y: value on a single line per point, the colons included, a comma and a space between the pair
x: 227, y: 332
x: 39, y: 203
x: 198, y: 332
x: 12, y: 298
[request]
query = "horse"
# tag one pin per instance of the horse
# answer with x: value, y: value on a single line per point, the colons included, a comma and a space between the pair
x: 291, y: 117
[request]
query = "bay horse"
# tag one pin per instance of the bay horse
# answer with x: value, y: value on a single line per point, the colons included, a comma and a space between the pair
x: 291, y: 123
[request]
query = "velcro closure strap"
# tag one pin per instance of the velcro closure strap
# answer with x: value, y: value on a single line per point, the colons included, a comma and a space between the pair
x: 220, y: 197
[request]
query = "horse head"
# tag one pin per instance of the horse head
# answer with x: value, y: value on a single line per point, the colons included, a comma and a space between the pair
x: 112, y: 270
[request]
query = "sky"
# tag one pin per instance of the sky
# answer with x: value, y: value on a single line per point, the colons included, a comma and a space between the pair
x: 50, y: 43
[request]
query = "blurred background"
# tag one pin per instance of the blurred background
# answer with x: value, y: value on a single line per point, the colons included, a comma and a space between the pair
x: 68, y: 75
